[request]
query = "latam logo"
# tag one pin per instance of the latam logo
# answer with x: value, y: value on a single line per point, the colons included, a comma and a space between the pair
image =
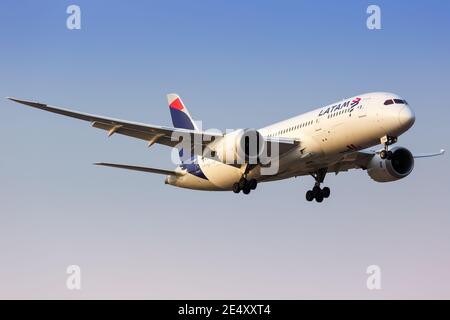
x: 350, y: 104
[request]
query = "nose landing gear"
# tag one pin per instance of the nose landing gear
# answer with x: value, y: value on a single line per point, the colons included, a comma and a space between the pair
x: 386, y: 154
x: 387, y: 141
x: 317, y: 192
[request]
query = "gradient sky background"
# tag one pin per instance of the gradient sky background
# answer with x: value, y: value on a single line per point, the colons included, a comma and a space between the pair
x: 236, y: 64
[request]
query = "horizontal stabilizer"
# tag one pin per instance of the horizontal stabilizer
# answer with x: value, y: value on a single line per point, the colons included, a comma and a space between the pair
x: 137, y: 168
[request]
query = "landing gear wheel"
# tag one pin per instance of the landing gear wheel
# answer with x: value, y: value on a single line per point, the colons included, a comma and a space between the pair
x: 242, y: 183
x: 319, y: 197
x: 246, y: 190
x: 389, y: 155
x: 326, y: 192
x: 245, y: 185
x: 252, y: 184
x: 386, y: 154
x: 316, y: 191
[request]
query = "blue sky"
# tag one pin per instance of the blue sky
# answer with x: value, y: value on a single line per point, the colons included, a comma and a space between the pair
x: 236, y: 64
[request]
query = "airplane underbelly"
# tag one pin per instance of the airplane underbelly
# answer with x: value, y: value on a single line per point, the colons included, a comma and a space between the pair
x: 221, y: 175
x: 190, y: 181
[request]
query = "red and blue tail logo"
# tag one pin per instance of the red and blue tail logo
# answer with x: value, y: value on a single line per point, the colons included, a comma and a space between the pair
x: 179, y: 113
x: 181, y: 119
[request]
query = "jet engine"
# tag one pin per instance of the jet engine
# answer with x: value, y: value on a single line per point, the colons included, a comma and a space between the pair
x: 238, y: 147
x: 400, y: 165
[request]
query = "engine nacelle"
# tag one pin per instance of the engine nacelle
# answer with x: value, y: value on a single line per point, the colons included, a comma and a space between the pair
x: 239, y: 147
x: 398, y: 167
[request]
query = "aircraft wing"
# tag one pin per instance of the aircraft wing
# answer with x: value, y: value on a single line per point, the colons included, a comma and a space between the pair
x: 428, y: 155
x: 361, y: 159
x: 150, y: 133
x: 354, y: 160
x: 168, y: 136
x: 285, y: 145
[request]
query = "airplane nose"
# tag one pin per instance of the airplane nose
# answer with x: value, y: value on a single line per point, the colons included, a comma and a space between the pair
x: 406, y: 117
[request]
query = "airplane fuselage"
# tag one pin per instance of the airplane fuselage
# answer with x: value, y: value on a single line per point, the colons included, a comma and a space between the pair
x: 326, y: 135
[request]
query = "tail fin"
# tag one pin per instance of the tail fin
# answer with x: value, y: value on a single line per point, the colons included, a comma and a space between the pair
x: 179, y: 113
x: 181, y: 119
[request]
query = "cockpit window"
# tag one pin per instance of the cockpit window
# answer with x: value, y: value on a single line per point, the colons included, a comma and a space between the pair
x: 396, y: 101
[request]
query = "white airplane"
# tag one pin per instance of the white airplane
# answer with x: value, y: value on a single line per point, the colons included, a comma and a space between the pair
x: 329, y: 139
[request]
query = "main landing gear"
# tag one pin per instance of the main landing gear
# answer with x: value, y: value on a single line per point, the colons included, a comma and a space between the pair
x: 317, y: 192
x: 387, y: 141
x: 245, y: 185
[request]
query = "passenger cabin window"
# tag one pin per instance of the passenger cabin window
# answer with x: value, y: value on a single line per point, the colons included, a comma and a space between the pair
x: 388, y: 102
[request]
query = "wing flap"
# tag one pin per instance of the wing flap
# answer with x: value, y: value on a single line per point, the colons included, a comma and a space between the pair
x: 138, y: 134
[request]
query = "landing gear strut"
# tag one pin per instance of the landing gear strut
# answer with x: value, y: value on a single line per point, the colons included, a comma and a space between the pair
x: 318, y: 193
x: 387, y: 141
